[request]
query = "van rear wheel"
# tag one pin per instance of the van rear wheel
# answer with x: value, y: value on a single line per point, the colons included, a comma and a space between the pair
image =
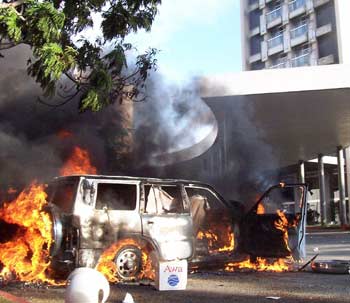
x: 129, y: 262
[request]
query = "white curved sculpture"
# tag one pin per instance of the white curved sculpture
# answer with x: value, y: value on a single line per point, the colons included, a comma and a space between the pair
x: 86, y: 285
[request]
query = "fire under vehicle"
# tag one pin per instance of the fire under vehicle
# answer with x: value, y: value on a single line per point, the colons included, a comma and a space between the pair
x: 129, y: 221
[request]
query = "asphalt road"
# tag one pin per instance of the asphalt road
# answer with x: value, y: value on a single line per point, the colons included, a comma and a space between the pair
x: 245, y: 287
x: 331, y: 244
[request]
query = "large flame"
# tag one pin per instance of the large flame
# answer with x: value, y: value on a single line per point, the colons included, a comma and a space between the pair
x: 26, y: 256
x: 78, y: 163
x: 108, y: 267
x: 260, y: 264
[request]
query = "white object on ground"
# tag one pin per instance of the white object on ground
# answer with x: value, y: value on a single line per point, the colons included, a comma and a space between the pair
x: 171, y: 275
x: 128, y: 298
x: 86, y: 285
x: 273, y: 298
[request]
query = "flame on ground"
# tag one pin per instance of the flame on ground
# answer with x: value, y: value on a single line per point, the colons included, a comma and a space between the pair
x: 108, y: 267
x: 79, y: 163
x: 261, y: 264
x: 26, y: 256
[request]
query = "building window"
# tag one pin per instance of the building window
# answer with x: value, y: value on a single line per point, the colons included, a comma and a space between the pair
x: 254, y: 19
x: 295, y: 4
x: 280, y: 61
x: 301, y: 56
x: 255, y: 45
x: 276, y: 38
x: 300, y: 28
x: 252, y: 2
x: 274, y: 11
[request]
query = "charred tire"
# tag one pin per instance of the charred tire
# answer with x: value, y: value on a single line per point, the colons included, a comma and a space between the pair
x: 57, y: 229
x: 331, y: 266
x: 129, y: 262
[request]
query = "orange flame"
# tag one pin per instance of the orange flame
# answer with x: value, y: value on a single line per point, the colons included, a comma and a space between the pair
x: 283, y: 225
x: 78, y: 163
x: 220, y: 238
x: 63, y: 134
x: 260, y: 264
x: 108, y: 267
x: 260, y: 210
x: 26, y: 256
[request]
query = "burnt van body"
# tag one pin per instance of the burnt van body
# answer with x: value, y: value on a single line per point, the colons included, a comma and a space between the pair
x: 173, y: 219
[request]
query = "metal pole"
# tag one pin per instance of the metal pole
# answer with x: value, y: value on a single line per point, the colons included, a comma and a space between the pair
x: 302, y: 226
x: 341, y: 186
x: 322, y: 183
x: 347, y: 171
x: 301, y: 171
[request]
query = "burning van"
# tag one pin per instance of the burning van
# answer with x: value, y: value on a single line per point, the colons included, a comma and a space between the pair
x: 124, y: 225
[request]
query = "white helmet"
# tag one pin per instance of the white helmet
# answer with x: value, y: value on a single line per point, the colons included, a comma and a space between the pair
x: 86, y: 285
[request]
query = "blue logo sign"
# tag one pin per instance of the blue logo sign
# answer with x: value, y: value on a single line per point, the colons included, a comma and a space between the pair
x: 173, y: 280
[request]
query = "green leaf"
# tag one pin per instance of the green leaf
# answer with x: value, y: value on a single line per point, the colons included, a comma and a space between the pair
x: 10, y: 24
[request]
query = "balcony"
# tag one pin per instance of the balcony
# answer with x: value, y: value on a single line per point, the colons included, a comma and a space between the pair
x: 296, y: 8
x: 299, y: 34
x: 302, y: 60
x: 275, y: 44
x: 326, y: 60
x: 323, y: 30
x: 254, y: 58
x: 274, y: 17
x: 283, y: 63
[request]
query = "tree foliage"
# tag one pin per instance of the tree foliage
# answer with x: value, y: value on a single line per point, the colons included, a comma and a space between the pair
x: 56, y: 32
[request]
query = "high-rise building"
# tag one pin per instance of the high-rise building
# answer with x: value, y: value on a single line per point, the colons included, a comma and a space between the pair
x: 292, y: 33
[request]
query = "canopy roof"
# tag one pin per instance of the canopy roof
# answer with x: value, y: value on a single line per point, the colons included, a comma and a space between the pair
x: 298, y: 112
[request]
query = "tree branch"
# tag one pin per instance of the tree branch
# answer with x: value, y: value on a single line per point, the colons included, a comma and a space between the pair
x: 71, y: 78
x: 12, y: 4
x: 70, y: 98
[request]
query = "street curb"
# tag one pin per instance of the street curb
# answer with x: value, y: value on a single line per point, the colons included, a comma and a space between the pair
x: 12, y: 298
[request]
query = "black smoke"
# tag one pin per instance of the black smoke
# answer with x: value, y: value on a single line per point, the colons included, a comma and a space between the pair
x: 169, y: 120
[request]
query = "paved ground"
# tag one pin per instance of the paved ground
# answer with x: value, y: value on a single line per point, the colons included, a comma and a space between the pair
x: 245, y: 287
x: 331, y: 244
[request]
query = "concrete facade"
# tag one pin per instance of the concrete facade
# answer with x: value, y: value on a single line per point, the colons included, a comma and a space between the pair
x: 294, y: 33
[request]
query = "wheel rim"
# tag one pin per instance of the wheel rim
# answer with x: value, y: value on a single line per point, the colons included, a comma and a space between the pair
x: 128, y: 263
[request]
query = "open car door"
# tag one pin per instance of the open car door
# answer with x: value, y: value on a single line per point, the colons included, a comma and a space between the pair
x: 275, y: 226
